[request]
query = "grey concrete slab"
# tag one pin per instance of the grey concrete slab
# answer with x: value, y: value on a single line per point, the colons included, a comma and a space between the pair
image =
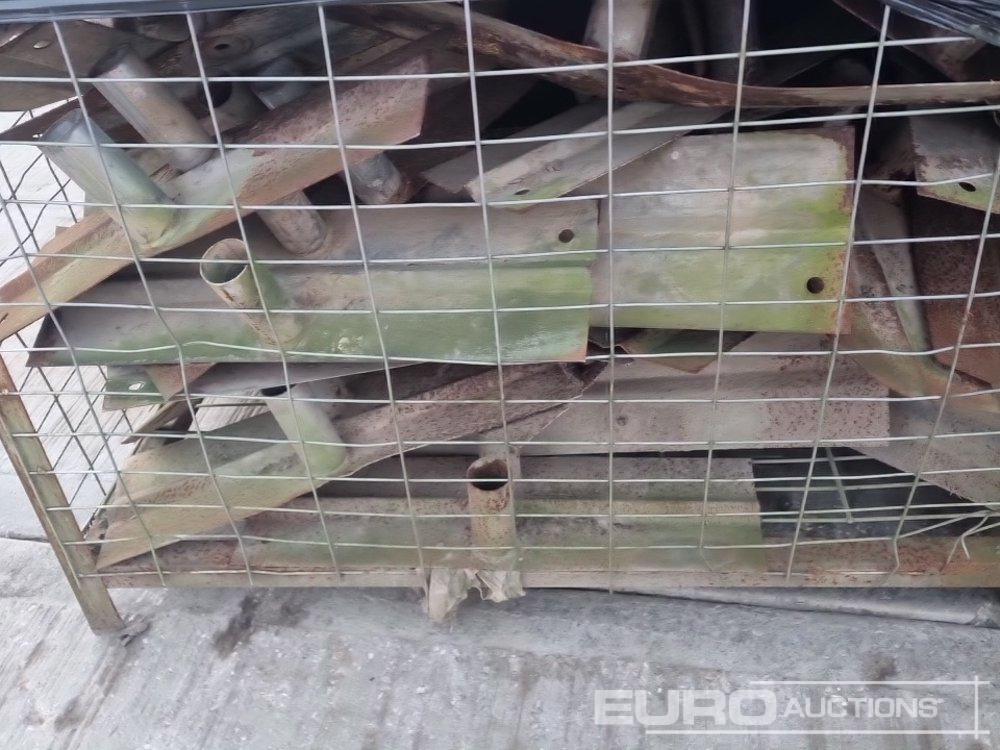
x: 365, y: 669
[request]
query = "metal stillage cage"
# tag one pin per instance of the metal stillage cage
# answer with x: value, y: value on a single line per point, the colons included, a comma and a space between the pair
x: 622, y: 294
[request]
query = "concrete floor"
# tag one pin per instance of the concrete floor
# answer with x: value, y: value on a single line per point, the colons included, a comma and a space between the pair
x: 359, y: 669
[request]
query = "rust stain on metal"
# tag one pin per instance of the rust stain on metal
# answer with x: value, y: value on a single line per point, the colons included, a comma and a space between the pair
x: 64, y: 271
x: 522, y: 48
x: 946, y: 268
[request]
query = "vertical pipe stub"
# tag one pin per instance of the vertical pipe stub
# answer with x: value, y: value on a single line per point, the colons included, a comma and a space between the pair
x: 491, y: 516
x: 108, y: 175
x: 251, y: 287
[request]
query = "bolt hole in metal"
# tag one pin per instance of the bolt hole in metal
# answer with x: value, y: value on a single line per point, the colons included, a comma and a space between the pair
x: 522, y: 191
x: 488, y: 475
x: 566, y: 236
x: 42, y: 44
x: 815, y: 285
x: 967, y: 187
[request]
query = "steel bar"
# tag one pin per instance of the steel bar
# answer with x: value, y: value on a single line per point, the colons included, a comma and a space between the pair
x: 964, y: 464
x: 953, y: 158
x: 723, y: 24
x: 945, y: 271
x: 375, y: 533
x: 252, y: 478
x: 152, y: 384
x: 435, y: 313
x: 690, y: 351
x: 950, y: 57
x: 766, y: 400
x: 890, y: 339
x: 540, y: 258
x: 373, y: 114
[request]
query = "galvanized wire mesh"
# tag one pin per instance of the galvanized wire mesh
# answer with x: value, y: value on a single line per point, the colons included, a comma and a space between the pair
x: 499, y: 354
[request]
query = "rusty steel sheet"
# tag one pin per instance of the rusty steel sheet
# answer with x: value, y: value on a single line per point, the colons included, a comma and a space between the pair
x: 561, y: 524
x: 372, y: 113
x: 922, y: 562
x: 891, y: 340
x: 954, y: 156
x: 254, y: 465
x: 766, y: 400
x: 946, y: 268
x: 961, y: 459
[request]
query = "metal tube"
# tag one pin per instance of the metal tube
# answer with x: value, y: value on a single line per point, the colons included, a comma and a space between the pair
x: 302, y: 231
x: 386, y: 111
x: 226, y: 268
x: 376, y: 180
x: 91, y: 169
x: 152, y: 109
x: 492, y: 518
x: 276, y: 93
x: 633, y: 26
x: 308, y: 424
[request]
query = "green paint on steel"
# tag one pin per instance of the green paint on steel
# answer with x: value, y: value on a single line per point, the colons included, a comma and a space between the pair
x: 439, y: 315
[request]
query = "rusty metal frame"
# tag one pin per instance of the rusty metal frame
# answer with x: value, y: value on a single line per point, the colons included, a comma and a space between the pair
x: 31, y: 462
x: 488, y: 518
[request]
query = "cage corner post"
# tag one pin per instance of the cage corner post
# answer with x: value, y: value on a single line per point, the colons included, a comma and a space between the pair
x: 27, y: 455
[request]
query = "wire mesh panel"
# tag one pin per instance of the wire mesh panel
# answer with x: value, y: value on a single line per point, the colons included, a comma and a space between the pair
x: 503, y: 294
